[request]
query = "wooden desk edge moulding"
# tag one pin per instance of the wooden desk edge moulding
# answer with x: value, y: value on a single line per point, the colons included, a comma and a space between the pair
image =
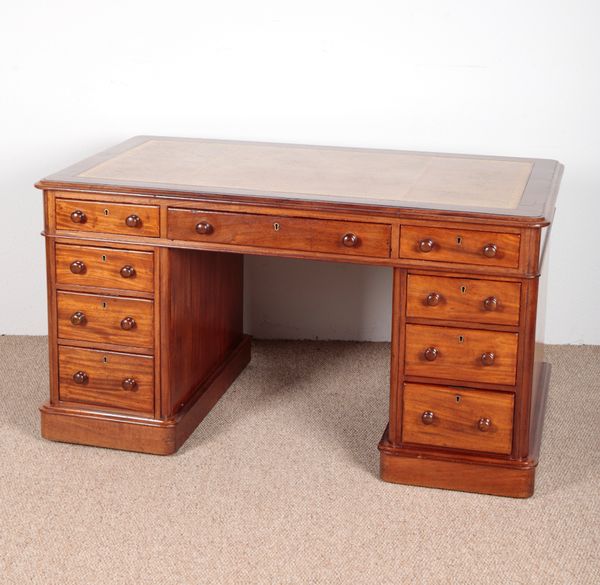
x: 144, y: 250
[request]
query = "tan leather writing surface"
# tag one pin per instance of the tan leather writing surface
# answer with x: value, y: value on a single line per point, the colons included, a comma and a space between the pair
x: 394, y: 177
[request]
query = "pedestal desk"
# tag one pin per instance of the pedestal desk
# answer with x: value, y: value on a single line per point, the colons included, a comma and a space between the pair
x: 145, y: 246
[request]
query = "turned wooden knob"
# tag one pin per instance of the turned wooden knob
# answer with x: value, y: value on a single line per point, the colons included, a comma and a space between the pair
x: 490, y: 304
x: 433, y: 299
x: 426, y: 245
x: 204, y: 228
x: 350, y: 240
x: 128, y: 323
x: 431, y: 353
x: 133, y: 221
x: 427, y: 417
x: 490, y: 250
x: 78, y: 216
x: 484, y: 424
x: 78, y: 318
x: 80, y: 378
x: 129, y: 384
x: 127, y: 271
x: 487, y: 358
x: 77, y: 267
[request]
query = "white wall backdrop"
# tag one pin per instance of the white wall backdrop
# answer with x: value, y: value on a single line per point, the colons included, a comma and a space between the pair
x: 510, y: 78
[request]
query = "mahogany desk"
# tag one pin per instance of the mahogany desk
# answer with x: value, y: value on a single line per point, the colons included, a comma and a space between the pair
x: 145, y: 246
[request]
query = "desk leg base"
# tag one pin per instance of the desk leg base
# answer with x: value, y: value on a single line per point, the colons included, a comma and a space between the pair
x: 498, y: 479
x: 131, y: 433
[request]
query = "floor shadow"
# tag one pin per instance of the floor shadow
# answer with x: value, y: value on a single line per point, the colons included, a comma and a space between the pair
x: 335, y: 391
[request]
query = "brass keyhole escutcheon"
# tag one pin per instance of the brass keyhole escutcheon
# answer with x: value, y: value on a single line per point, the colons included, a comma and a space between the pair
x: 276, y: 226
x: 461, y: 339
x: 103, y: 258
x: 104, y: 360
x: 463, y: 289
x: 459, y: 240
x: 106, y: 212
x: 104, y: 305
x: 457, y: 398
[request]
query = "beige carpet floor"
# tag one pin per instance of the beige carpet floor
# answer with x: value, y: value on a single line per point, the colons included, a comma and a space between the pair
x: 279, y: 485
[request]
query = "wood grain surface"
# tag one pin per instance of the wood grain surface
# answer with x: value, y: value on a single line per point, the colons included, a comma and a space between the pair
x: 107, y: 217
x: 103, y: 317
x: 459, y: 245
x: 281, y: 232
x: 459, y: 354
x: 103, y: 266
x: 106, y: 371
x: 202, y: 319
x: 456, y: 413
x: 454, y: 475
x: 463, y: 299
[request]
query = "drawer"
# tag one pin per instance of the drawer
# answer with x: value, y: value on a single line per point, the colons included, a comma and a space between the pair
x: 114, y: 380
x: 467, y: 355
x: 461, y: 246
x: 289, y: 233
x: 111, y: 218
x: 105, y: 319
x: 477, y: 420
x: 463, y: 299
x: 104, y: 267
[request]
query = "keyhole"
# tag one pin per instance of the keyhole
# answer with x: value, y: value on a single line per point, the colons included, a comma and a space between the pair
x: 463, y: 289
x: 105, y: 359
x: 103, y: 258
x: 104, y: 304
x: 461, y: 339
x: 459, y: 240
x: 276, y: 226
x: 457, y: 398
x: 106, y: 212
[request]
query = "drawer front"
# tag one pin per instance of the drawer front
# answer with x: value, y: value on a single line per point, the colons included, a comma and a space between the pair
x: 463, y: 299
x: 462, y: 246
x: 109, y: 379
x: 467, y: 355
x: 289, y: 233
x: 104, y: 267
x: 111, y: 218
x: 105, y: 319
x: 477, y: 420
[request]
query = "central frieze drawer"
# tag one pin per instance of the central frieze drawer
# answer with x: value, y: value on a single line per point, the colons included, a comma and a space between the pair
x: 105, y: 378
x: 287, y: 233
x: 105, y: 319
x: 467, y: 355
x: 458, y: 418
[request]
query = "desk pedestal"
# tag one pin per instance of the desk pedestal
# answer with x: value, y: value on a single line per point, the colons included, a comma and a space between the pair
x: 468, y: 472
x: 128, y: 433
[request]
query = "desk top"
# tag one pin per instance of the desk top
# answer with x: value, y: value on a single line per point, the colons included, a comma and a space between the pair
x: 393, y: 179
